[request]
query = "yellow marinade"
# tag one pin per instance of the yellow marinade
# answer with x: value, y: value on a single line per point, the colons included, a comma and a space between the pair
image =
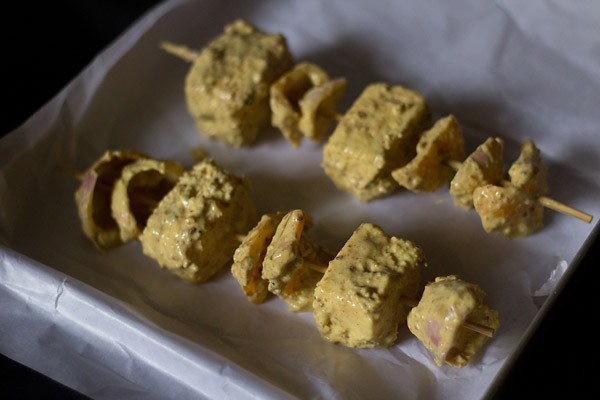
x: 136, y: 193
x: 194, y: 230
x: 288, y: 259
x: 514, y: 209
x: 482, y: 167
x: 227, y: 87
x: 93, y: 197
x: 437, y: 321
x: 377, y: 135
x: 428, y: 170
x: 358, y: 301
x: 249, y: 256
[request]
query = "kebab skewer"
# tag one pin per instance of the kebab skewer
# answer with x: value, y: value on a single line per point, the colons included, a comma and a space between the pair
x: 187, y: 221
x: 362, y: 295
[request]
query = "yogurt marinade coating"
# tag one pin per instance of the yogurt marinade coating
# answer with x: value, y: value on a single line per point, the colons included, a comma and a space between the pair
x: 438, y: 318
x: 513, y: 209
x: 249, y: 256
x: 93, y: 197
x: 428, y: 170
x: 194, y: 230
x: 303, y: 102
x: 141, y: 186
x: 528, y: 173
x: 227, y: 87
x: 508, y: 210
x: 287, y: 262
x: 377, y: 135
x: 358, y: 301
x: 482, y: 167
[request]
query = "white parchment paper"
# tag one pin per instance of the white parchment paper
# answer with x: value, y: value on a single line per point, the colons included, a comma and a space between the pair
x: 114, y: 325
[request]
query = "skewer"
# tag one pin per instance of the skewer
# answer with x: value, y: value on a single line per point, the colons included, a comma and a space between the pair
x: 189, y: 55
x: 545, y: 201
x: 482, y: 329
x: 407, y: 301
x: 180, y: 51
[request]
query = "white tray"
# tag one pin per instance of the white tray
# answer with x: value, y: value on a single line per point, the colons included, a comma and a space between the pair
x: 115, y: 325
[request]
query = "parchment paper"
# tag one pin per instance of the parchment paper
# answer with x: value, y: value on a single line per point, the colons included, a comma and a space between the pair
x: 114, y: 325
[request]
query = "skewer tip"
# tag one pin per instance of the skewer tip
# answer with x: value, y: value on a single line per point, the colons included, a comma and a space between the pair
x: 178, y: 50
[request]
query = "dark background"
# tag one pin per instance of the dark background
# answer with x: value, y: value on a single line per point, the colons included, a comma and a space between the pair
x: 46, y: 45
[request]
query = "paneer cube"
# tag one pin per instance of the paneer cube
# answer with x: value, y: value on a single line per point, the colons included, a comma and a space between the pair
x: 377, y: 135
x: 227, y: 87
x: 194, y: 230
x: 358, y: 300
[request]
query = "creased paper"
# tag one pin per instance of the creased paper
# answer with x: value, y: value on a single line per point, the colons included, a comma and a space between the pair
x: 114, y: 325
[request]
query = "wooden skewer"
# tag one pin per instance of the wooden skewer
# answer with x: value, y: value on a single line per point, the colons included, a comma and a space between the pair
x: 407, y: 301
x: 474, y: 326
x: 180, y: 51
x: 545, y: 201
x: 484, y: 330
x: 189, y: 55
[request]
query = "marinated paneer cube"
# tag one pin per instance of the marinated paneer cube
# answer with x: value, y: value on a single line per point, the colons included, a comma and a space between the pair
x: 358, y: 300
x: 429, y: 169
x: 508, y: 210
x: 482, y: 167
x: 292, y: 263
x: 193, y: 232
x: 137, y: 192
x: 227, y: 87
x: 377, y: 135
x: 93, y: 197
x: 528, y: 173
x: 303, y: 102
x: 437, y: 321
x: 249, y: 256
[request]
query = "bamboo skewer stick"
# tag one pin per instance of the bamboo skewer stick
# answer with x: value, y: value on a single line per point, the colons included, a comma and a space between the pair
x: 482, y: 329
x: 407, y: 301
x: 545, y: 201
x: 474, y: 326
x: 180, y: 51
x: 189, y: 55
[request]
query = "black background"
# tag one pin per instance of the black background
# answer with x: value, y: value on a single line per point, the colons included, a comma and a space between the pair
x: 46, y: 45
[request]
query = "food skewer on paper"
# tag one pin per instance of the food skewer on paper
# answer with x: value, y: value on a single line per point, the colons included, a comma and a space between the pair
x: 183, y: 226
x: 227, y: 86
x: 514, y: 208
x: 381, y: 144
x: 360, y: 297
x: 189, y: 222
x: 377, y: 145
